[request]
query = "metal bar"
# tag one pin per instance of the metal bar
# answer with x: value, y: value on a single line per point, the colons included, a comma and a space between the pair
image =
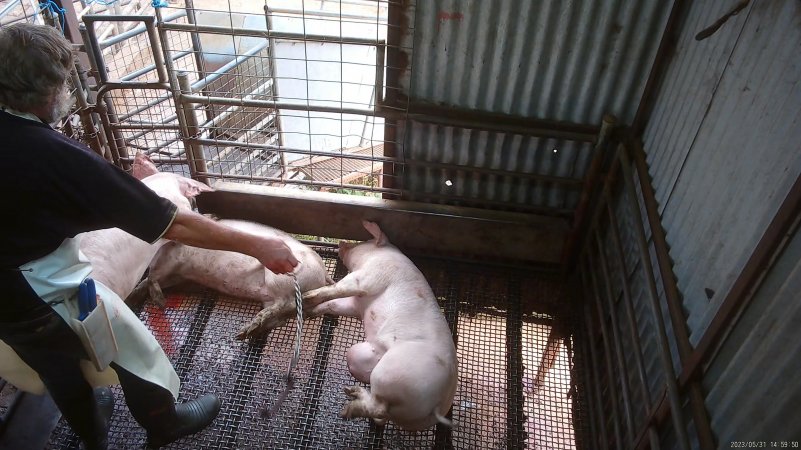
x: 7, y: 9
x: 610, y: 373
x: 589, y: 182
x: 167, y: 60
x: 255, y: 32
x: 631, y: 321
x: 195, y: 156
x: 380, y: 52
x: 222, y: 71
x: 568, y: 183
x: 133, y: 32
x: 396, y: 18
x: 136, y: 74
x: 515, y: 432
x: 656, y: 310
x: 360, y: 18
x: 595, y: 365
x: 300, y: 182
x: 155, y: 51
x: 494, y: 121
x: 588, y: 389
x: 86, y: 116
x: 700, y: 416
x: 227, y: 143
x: 611, y: 333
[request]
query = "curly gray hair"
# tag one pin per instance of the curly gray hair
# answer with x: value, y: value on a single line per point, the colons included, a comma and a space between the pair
x: 36, y: 62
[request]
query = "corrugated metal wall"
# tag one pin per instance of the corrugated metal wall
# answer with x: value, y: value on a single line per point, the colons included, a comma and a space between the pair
x: 724, y: 143
x: 724, y: 148
x: 752, y: 385
x: 571, y: 61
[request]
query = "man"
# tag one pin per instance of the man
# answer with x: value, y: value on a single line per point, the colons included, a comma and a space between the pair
x: 54, y: 188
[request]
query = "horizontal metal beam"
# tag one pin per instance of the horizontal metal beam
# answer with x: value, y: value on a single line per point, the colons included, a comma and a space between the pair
x: 416, y: 228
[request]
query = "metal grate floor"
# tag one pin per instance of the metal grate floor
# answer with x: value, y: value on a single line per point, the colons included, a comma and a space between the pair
x: 501, y: 321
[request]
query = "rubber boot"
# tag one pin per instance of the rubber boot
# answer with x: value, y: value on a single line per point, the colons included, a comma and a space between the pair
x: 187, y: 418
x: 104, y: 399
x: 154, y: 408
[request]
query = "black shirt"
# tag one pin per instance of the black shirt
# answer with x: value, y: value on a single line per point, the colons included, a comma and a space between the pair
x: 54, y: 188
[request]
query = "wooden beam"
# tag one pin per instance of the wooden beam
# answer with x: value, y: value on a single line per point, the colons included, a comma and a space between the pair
x: 416, y: 228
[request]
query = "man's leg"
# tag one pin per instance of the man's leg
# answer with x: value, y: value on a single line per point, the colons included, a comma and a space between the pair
x: 53, y: 350
x: 154, y: 408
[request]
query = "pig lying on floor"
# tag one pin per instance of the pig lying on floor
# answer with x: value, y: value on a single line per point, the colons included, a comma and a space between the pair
x: 240, y: 275
x: 408, y: 357
x: 119, y: 259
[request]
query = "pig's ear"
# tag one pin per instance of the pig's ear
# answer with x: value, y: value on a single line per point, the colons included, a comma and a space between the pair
x: 372, y: 227
x: 191, y: 188
x: 143, y: 166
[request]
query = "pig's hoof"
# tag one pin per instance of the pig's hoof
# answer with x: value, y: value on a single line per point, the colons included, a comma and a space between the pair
x: 354, y: 392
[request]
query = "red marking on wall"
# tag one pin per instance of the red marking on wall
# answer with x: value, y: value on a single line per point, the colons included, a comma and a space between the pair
x: 445, y: 16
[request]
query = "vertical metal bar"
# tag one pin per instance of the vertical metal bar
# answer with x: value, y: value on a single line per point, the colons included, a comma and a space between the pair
x: 656, y: 310
x: 610, y: 375
x: 275, y: 94
x: 176, y: 93
x: 631, y: 319
x: 595, y: 365
x: 155, y: 50
x: 611, y: 333
x: 114, y: 138
x: 515, y: 433
x: 590, y: 180
x: 700, y: 417
x: 197, y: 161
x: 380, y: 51
x: 85, y: 115
x: 589, y: 389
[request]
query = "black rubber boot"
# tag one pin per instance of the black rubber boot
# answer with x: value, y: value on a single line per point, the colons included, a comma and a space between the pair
x: 189, y: 418
x: 154, y: 408
x: 104, y: 399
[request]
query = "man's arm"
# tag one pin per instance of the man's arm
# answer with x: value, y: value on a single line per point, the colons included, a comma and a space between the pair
x: 194, y: 229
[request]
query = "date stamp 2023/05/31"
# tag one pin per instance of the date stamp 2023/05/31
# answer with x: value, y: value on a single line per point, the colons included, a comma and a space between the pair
x: 763, y: 444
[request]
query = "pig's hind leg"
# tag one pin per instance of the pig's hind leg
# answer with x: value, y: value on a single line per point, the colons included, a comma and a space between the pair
x: 362, y: 359
x: 364, y: 404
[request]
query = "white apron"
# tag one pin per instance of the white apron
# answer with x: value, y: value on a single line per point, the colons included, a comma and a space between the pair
x: 56, y: 277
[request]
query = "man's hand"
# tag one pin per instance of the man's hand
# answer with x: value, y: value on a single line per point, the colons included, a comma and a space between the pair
x: 275, y: 255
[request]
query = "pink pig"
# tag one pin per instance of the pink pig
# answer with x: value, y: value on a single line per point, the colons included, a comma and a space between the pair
x: 408, y: 356
x: 119, y: 259
x: 240, y: 275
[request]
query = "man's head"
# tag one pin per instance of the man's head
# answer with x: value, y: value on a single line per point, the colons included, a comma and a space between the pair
x: 35, y: 64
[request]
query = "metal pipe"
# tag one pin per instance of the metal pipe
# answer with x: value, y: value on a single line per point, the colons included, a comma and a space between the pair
x: 255, y: 32
x: 197, y: 46
x: 222, y: 71
x: 611, y: 334
x: 700, y: 416
x: 227, y: 143
x: 86, y: 116
x: 656, y: 310
x: 113, y: 138
x: 195, y: 155
x: 596, y: 370
x: 133, y: 32
x: 271, y: 60
x: 175, y: 89
x: 136, y: 74
x: 301, y: 182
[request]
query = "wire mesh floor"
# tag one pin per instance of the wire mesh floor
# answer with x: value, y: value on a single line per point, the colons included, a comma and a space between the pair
x: 501, y: 320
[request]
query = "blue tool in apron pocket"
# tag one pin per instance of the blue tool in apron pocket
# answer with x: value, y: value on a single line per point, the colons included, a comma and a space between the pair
x: 94, y: 327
